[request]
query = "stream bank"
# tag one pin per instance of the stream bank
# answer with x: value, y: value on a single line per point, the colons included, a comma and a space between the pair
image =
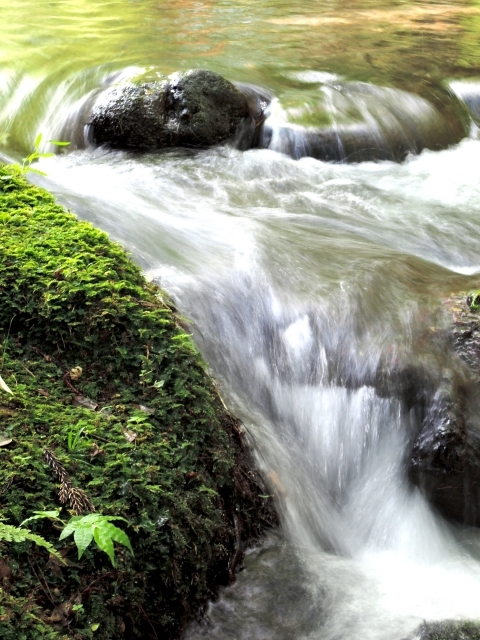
x: 105, y: 377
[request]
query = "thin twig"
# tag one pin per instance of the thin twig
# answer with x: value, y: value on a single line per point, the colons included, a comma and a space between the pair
x: 49, y: 595
x: 66, y: 381
x: 6, y: 343
x: 148, y: 620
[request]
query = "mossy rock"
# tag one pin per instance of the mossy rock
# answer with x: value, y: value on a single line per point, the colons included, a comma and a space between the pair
x: 159, y: 449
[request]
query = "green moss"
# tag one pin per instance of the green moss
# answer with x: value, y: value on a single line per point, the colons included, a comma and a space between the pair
x: 473, y: 300
x: 72, y: 298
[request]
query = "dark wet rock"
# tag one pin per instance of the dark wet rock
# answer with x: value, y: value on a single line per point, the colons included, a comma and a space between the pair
x: 464, y: 310
x: 447, y: 630
x: 201, y: 108
x: 196, y: 108
x: 445, y: 460
x: 249, y: 131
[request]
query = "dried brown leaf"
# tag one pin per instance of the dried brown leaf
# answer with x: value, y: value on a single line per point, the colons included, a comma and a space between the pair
x: 76, y: 373
x: 131, y: 436
x: 85, y: 403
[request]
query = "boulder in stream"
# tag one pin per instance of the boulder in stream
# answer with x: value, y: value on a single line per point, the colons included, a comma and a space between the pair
x: 196, y: 108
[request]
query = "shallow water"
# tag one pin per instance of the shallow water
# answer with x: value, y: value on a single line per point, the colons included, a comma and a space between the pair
x: 299, y: 277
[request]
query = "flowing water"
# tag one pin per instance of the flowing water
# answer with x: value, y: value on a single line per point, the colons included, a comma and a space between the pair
x: 299, y: 278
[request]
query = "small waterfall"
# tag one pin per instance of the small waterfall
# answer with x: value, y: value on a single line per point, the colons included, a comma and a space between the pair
x: 373, y: 556
x: 302, y: 280
x: 369, y: 123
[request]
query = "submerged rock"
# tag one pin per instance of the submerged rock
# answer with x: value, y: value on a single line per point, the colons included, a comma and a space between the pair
x: 370, y: 123
x: 196, y: 108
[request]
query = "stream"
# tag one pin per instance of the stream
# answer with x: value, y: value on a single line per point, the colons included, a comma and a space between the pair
x: 297, y: 276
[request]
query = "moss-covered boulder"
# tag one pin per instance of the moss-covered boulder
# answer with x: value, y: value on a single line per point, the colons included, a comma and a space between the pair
x: 105, y: 380
x: 196, y: 108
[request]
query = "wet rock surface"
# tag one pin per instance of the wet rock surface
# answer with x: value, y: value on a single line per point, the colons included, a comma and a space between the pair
x: 445, y: 460
x: 447, y: 630
x: 371, y: 123
x: 200, y: 108
x: 197, y: 108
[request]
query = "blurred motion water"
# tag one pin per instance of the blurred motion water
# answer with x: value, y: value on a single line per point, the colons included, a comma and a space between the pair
x: 298, y: 277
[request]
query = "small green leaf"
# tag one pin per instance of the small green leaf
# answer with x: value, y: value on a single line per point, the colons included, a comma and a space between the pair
x: 70, y: 528
x: 119, y: 536
x: 59, y: 143
x: 104, y: 541
x: 42, y: 514
x: 98, y: 527
x: 38, y: 140
x: 83, y: 537
x: 94, y: 626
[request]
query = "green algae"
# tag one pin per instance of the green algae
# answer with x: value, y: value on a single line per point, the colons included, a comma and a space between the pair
x: 159, y: 449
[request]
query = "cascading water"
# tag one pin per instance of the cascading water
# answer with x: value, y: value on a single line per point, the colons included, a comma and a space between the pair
x: 300, y: 279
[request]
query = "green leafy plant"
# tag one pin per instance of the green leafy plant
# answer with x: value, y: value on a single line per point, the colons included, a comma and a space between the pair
x: 473, y: 300
x: 9, y: 533
x: 26, y: 166
x: 73, y: 438
x: 93, y: 526
x: 96, y: 527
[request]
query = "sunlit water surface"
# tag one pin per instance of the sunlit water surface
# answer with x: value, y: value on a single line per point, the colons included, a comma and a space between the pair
x: 297, y: 276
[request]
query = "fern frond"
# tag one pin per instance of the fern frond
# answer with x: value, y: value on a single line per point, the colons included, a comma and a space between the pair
x: 9, y: 533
